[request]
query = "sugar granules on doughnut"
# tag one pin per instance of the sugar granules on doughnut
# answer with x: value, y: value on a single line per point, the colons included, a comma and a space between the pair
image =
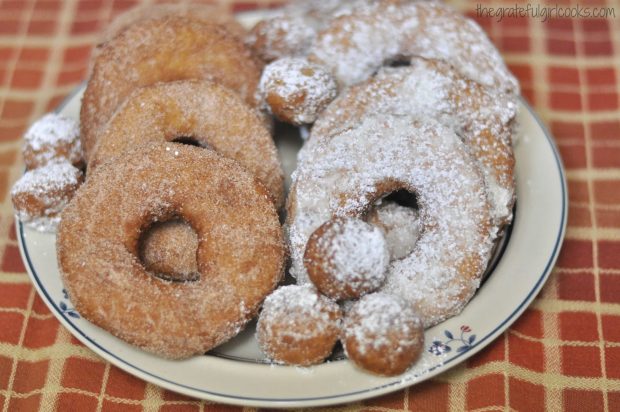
x: 382, y: 334
x: 346, y: 174
x: 168, y: 250
x: 355, y: 45
x: 240, y: 253
x: 296, y: 90
x: 298, y: 326
x: 41, y: 194
x: 481, y: 117
x: 281, y: 36
x: 346, y: 258
x: 401, y: 226
x: 52, y: 138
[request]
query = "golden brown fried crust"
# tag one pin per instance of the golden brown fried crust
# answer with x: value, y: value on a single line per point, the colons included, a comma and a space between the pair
x: 240, y: 249
x: 168, y: 250
x: 164, y: 49
x: 212, y: 115
x: 209, y: 12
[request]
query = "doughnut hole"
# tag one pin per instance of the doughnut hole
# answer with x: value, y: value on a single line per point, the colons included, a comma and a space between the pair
x: 398, y: 61
x: 397, y: 216
x: 296, y: 90
x: 52, y: 139
x: 346, y: 258
x: 187, y: 140
x: 298, y: 326
x: 382, y: 334
x: 168, y: 250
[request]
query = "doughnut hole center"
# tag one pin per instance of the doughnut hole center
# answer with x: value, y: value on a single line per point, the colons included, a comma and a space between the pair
x: 398, y: 61
x: 396, y: 214
x: 188, y: 140
x: 403, y: 198
x: 168, y: 250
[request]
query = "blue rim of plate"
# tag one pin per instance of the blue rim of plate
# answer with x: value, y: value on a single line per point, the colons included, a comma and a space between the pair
x: 397, y: 384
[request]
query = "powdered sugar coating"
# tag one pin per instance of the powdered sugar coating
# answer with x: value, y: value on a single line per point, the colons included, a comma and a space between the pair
x: 298, y: 325
x: 382, y: 334
x: 240, y: 248
x: 346, y: 174
x: 484, y: 120
x: 347, y: 258
x: 281, y: 36
x: 291, y: 31
x: 401, y: 226
x: 52, y: 138
x: 41, y: 194
x: 355, y: 45
x: 295, y: 90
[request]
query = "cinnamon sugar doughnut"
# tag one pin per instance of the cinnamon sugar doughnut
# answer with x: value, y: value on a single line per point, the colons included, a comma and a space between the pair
x: 41, y: 194
x: 298, y: 326
x: 346, y: 258
x: 382, y: 334
x: 296, y: 90
x: 210, y: 13
x: 240, y: 248
x: 214, y: 13
x: 164, y: 49
x: 356, y: 45
x: 52, y: 138
x: 210, y: 114
x: 346, y: 174
x: 432, y: 89
x: 168, y: 250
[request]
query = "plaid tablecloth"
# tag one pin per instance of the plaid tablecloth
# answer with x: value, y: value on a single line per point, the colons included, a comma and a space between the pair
x: 563, y: 353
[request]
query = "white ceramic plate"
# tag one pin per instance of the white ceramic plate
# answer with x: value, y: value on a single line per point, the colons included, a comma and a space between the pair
x: 235, y: 373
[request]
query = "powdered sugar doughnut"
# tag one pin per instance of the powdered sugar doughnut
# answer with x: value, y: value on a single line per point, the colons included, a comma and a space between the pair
x: 211, y: 115
x: 401, y: 226
x: 382, y: 334
x: 296, y: 90
x: 346, y: 258
x: 298, y: 326
x: 41, y: 194
x: 281, y: 36
x: 240, y: 248
x: 346, y: 174
x: 291, y: 31
x: 483, y: 120
x: 161, y: 50
x: 356, y: 45
x: 52, y: 138
x: 168, y: 250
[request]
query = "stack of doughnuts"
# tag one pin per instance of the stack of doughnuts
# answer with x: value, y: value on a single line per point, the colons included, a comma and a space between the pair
x: 174, y: 239
x: 401, y: 97
x: 402, y: 188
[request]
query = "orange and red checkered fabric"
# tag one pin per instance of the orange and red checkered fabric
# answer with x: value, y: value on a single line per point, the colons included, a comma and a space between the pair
x: 564, y: 353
